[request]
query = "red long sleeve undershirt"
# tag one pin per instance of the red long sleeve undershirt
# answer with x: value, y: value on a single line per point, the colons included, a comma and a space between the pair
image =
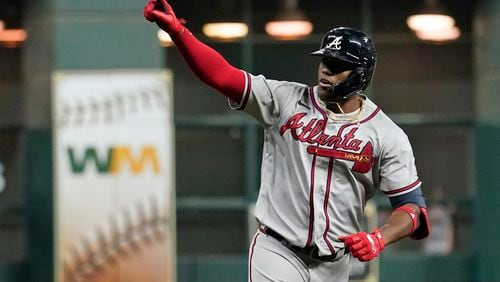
x: 210, y: 66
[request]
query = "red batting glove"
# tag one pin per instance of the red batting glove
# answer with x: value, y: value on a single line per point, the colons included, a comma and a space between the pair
x: 364, y: 246
x: 160, y: 12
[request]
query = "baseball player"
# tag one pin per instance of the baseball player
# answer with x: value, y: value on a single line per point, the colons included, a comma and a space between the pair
x: 327, y: 150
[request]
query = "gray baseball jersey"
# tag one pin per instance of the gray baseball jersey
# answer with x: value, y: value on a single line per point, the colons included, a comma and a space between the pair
x: 317, y: 170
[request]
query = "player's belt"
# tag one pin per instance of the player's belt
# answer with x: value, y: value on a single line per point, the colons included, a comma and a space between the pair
x: 311, y: 252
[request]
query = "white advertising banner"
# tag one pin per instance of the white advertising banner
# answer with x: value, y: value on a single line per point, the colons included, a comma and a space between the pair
x: 114, y: 200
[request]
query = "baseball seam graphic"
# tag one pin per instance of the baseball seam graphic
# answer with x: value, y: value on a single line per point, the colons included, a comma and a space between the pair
x: 110, y: 108
x: 90, y: 257
x: 114, y: 218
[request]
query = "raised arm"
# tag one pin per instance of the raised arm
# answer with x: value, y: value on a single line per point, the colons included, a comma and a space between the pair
x: 205, y: 62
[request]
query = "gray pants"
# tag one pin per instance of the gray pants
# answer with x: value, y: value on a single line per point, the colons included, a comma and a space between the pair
x: 269, y: 260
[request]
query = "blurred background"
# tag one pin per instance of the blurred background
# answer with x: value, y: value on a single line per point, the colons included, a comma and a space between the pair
x: 442, y: 91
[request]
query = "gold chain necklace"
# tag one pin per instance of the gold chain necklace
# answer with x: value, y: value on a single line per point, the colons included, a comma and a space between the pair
x: 354, y: 118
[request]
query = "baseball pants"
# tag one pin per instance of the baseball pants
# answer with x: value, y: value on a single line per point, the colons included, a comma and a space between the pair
x: 270, y: 260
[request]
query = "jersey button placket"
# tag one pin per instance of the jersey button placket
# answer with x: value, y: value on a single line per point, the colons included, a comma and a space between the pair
x: 319, y: 222
x: 321, y: 171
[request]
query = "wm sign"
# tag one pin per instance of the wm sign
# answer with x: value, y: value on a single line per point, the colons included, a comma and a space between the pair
x: 114, y: 160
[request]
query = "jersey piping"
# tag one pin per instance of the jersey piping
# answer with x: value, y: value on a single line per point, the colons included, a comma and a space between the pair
x: 325, y: 205
x: 246, y: 94
x: 311, y: 203
x: 404, y: 190
x: 250, y: 259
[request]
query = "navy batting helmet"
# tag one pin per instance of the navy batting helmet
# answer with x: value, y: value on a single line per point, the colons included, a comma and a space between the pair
x: 354, y: 48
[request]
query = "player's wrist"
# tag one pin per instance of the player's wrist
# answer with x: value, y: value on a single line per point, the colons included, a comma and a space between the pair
x: 181, y: 37
x: 179, y: 31
x: 377, y: 234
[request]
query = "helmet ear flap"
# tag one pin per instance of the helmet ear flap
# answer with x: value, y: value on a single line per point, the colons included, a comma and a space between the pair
x: 354, y: 83
x: 364, y: 79
x: 359, y: 72
x: 348, y: 87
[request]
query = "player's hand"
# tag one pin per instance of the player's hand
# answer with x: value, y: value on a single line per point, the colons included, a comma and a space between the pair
x: 160, y: 12
x: 364, y: 246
